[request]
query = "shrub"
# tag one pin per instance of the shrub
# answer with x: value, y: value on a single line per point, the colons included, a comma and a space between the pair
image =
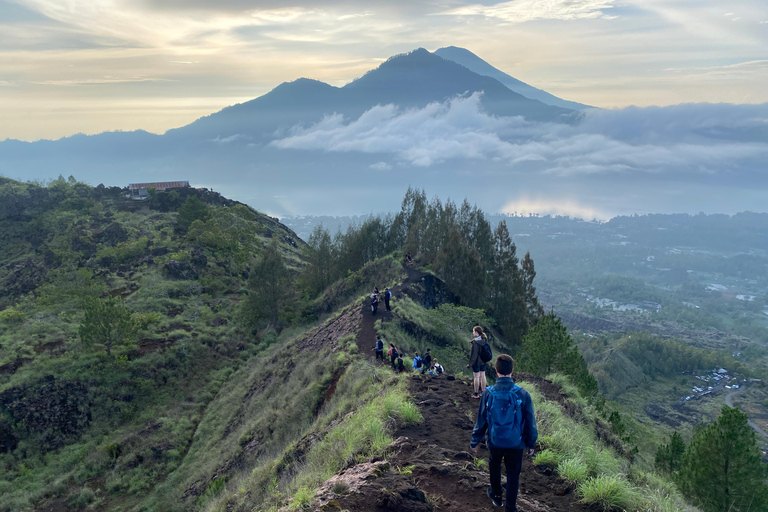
x: 548, y: 458
x: 82, y: 499
x: 574, y: 470
x: 609, y: 493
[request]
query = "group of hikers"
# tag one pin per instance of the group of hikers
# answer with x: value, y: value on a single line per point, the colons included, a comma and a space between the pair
x: 505, y: 418
x: 387, y: 296
x: 424, y: 364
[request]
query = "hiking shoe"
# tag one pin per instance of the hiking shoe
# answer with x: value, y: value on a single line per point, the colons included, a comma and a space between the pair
x: 475, y: 395
x: 496, y: 500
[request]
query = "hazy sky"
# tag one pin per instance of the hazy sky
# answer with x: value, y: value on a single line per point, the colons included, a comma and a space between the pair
x: 69, y: 66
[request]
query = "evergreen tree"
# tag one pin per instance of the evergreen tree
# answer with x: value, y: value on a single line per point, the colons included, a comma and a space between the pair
x: 548, y: 348
x: 533, y: 308
x: 269, y: 288
x: 193, y: 209
x: 668, y: 456
x: 721, y: 471
x: 460, y: 267
x: 320, y: 271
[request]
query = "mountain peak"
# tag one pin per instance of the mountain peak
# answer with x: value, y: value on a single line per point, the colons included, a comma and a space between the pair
x: 477, y: 65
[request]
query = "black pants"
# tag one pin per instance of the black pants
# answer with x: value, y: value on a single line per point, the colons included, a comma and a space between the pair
x: 386, y: 303
x: 513, y: 460
x: 379, y: 355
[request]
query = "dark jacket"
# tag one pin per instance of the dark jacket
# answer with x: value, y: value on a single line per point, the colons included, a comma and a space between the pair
x: 530, y: 434
x: 474, y: 356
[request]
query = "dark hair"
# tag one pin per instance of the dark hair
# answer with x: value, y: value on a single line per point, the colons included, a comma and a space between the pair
x: 429, y: 349
x: 378, y: 336
x: 480, y: 332
x: 504, y: 364
x: 392, y: 345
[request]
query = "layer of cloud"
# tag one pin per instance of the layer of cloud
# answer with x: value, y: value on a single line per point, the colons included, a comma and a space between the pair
x: 520, y: 11
x: 699, y: 138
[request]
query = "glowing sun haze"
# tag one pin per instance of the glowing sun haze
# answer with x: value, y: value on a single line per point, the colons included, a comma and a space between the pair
x: 95, y: 65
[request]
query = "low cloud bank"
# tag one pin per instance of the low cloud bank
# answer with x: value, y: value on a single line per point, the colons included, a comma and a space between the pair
x: 705, y: 139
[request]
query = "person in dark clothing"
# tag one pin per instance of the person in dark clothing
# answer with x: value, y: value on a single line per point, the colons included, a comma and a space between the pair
x: 393, y: 355
x: 523, y: 428
x: 426, y: 361
x: 387, y: 297
x: 379, y: 348
x: 399, y: 365
x: 479, y: 338
x: 374, y: 301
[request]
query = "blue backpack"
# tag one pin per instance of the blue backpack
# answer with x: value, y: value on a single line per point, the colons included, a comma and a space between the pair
x: 504, y: 413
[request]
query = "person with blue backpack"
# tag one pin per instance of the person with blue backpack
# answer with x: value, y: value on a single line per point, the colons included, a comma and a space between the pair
x: 506, y: 415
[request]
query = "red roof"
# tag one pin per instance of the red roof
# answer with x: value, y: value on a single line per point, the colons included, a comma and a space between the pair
x: 160, y: 185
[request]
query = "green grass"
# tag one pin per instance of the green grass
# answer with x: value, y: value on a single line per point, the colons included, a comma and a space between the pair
x: 609, y: 493
x: 354, y: 426
x: 604, y: 478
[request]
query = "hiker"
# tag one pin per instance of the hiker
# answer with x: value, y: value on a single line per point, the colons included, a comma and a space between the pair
x: 479, y: 340
x: 374, y: 301
x: 399, y: 365
x: 416, y: 362
x: 393, y: 354
x: 506, y: 413
x: 426, y: 361
x: 438, y: 368
x: 387, y: 297
x: 408, y: 258
x: 379, y: 348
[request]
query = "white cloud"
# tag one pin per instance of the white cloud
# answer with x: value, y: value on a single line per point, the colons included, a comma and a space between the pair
x: 380, y: 166
x: 696, y: 138
x: 519, y: 11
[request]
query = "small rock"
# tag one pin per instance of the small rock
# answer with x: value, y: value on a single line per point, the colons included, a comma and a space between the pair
x: 463, y: 456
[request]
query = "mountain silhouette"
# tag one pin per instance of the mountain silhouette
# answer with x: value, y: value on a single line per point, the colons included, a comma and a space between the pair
x: 409, y: 80
x: 474, y: 63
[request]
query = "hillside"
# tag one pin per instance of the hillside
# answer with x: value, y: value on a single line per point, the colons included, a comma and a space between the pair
x: 243, y: 379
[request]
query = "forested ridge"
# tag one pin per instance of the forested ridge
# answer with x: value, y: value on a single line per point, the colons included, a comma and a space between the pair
x: 188, y: 352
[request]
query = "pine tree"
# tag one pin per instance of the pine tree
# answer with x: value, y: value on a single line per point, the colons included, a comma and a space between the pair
x: 548, y: 348
x: 460, y: 267
x: 669, y: 456
x: 721, y: 471
x: 269, y: 287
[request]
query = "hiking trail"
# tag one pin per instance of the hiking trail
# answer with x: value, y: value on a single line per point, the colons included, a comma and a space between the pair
x: 429, y: 466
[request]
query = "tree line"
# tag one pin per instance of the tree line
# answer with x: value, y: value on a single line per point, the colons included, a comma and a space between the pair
x: 479, y: 264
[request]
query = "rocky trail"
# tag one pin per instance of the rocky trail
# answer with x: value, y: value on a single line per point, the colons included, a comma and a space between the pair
x: 429, y: 466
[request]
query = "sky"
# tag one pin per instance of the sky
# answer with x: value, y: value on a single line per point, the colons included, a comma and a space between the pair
x: 87, y: 66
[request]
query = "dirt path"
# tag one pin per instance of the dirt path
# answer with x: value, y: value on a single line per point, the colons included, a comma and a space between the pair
x: 430, y: 467
x: 729, y: 403
x: 366, y: 336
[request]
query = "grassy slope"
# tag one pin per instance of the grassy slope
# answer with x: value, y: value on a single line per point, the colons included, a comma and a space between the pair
x: 135, y: 412
x: 197, y: 414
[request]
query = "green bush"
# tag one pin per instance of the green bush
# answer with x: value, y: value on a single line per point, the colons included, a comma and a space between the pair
x: 547, y: 458
x: 609, y: 493
x: 574, y: 469
x: 81, y: 499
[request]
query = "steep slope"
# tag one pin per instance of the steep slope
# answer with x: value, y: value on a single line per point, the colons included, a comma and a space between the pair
x: 78, y: 419
x: 474, y: 63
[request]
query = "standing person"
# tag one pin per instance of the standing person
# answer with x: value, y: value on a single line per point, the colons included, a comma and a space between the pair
x: 379, y: 348
x: 506, y: 413
x: 479, y: 338
x: 387, y: 297
x: 438, y: 368
x: 393, y: 354
x: 426, y: 361
x: 374, y: 301
x: 416, y: 362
